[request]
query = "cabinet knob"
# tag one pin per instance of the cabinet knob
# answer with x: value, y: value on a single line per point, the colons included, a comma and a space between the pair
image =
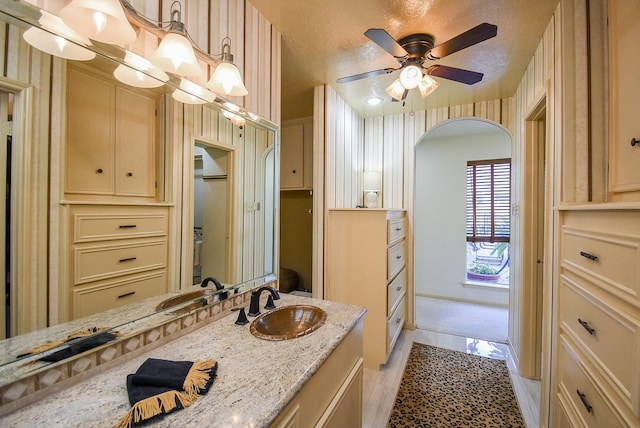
x: 129, y: 174
x: 99, y: 170
x: 634, y: 142
x: 294, y: 171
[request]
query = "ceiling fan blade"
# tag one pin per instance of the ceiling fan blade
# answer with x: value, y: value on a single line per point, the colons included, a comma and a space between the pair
x: 381, y: 38
x: 404, y: 96
x: 456, y: 74
x: 475, y: 35
x: 365, y: 75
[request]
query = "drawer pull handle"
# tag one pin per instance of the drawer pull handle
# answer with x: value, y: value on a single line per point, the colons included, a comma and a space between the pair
x: 129, y: 174
x: 130, y: 293
x: 588, y: 256
x: 635, y: 142
x: 587, y: 327
x: 583, y: 398
x: 99, y: 170
x: 128, y: 259
x: 398, y: 320
x: 398, y: 257
x: 398, y: 229
x: 399, y: 288
x: 127, y: 226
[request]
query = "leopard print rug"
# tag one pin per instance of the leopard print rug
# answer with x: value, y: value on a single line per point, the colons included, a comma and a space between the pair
x: 444, y: 388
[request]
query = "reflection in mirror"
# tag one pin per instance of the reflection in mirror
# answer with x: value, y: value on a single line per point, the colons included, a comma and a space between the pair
x: 248, y: 221
x: 211, y: 205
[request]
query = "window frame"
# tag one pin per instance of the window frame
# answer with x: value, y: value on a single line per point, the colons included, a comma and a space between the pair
x: 492, y: 237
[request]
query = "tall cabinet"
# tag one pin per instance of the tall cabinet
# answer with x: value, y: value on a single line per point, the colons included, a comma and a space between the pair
x: 366, y: 255
x: 116, y: 248
x: 595, y: 349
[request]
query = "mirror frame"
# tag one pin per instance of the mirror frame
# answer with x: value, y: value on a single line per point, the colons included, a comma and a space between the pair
x: 22, y: 14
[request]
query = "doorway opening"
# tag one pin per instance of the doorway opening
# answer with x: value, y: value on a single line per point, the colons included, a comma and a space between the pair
x: 440, y: 217
x: 211, y: 202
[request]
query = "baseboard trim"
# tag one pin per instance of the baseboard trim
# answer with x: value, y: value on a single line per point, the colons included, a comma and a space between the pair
x: 460, y: 299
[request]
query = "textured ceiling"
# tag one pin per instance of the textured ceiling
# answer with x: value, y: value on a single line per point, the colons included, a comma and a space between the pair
x: 323, y: 40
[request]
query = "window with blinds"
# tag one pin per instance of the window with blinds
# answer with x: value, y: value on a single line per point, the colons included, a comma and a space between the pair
x: 488, y: 200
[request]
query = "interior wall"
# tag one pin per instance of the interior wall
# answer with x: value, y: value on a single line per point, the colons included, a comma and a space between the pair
x: 440, y: 208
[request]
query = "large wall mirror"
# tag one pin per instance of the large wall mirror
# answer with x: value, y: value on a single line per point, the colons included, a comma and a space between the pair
x: 216, y: 172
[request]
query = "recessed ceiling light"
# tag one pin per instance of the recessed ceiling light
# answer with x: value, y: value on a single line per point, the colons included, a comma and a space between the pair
x: 374, y: 101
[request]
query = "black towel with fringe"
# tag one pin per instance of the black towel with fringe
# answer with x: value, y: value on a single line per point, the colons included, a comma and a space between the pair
x: 160, y: 386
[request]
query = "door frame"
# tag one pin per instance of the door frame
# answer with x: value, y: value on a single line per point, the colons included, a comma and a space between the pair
x: 533, y: 224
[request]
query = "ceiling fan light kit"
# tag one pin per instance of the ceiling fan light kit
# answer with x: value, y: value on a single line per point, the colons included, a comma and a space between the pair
x: 414, y: 50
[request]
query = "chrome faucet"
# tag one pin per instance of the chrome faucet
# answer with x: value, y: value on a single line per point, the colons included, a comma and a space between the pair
x: 254, y: 306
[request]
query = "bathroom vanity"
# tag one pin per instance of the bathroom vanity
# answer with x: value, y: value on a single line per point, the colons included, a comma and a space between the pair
x: 309, y: 380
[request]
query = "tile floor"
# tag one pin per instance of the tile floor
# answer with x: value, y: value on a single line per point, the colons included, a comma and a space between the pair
x: 380, y: 387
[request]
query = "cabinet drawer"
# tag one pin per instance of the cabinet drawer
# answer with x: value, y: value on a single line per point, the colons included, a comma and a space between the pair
x: 583, y: 394
x: 92, y: 300
x: 394, y: 325
x: 99, y: 262
x: 605, y: 248
x: 396, y: 290
x: 395, y: 259
x: 395, y: 230
x: 609, y: 337
x: 90, y: 226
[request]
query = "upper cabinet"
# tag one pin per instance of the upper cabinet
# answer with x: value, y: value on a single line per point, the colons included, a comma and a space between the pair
x: 111, y: 138
x: 624, y: 126
x: 296, y: 155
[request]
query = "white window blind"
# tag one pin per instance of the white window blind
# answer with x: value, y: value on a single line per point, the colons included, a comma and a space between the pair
x: 488, y: 200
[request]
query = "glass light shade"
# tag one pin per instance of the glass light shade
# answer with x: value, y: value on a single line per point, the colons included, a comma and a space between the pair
x: 175, y: 55
x: 226, y: 80
x: 396, y: 90
x: 101, y: 20
x: 61, y: 44
x: 427, y: 85
x: 372, y: 181
x: 410, y: 76
x: 191, y: 93
x: 139, y: 72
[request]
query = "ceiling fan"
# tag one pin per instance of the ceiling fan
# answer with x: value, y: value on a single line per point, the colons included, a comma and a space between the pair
x: 414, y: 50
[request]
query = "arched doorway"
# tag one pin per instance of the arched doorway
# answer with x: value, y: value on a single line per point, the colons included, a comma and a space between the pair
x: 441, y: 251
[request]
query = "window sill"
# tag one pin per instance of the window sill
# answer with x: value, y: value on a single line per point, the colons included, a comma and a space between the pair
x: 486, y: 285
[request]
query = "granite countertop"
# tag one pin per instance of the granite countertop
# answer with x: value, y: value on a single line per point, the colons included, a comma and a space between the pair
x: 256, y: 378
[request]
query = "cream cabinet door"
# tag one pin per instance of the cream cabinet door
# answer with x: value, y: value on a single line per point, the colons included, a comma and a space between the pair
x: 90, y: 132
x: 624, y: 63
x: 291, y: 157
x: 135, y: 144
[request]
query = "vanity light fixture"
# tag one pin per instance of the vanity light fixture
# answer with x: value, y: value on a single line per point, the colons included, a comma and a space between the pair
x: 234, y: 118
x: 175, y: 53
x: 192, y: 93
x: 372, y: 184
x: 56, y: 38
x: 139, y: 72
x: 226, y: 77
x: 100, y: 20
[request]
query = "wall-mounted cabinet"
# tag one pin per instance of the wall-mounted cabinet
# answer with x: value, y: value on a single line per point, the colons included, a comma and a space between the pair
x: 624, y: 127
x: 296, y: 155
x: 111, y: 138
